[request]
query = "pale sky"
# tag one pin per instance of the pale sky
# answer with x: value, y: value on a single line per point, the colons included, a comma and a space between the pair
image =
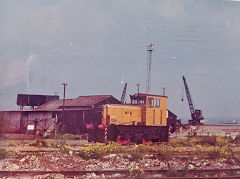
x: 97, y: 46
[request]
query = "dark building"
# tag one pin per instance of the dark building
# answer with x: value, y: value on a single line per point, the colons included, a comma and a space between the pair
x: 34, y: 100
x: 172, y: 121
x: 77, y: 112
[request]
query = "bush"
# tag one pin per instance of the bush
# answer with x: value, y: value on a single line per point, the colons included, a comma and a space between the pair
x: 65, y: 148
x: 95, y: 151
x: 113, y: 147
x: 98, y: 150
x: 3, y: 153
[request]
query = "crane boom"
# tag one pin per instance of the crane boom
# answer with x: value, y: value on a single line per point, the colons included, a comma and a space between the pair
x: 196, y: 114
x: 124, y: 93
x: 190, y: 103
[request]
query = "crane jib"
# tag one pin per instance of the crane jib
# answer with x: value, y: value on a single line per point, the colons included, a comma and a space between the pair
x: 190, y: 103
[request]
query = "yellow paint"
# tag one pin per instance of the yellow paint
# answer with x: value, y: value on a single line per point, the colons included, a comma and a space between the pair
x: 122, y: 114
x: 156, y: 116
x: 138, y: 114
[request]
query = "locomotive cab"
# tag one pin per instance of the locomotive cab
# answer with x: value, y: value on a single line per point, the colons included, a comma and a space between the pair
x: 154, y: 108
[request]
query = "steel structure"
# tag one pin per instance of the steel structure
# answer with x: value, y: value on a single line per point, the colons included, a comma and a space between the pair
x: 195, y: 114
x: 124, y: 93
x: 189, y: 98
x: 149, y: 65
x: 64, y: 97
x: 138, y: 86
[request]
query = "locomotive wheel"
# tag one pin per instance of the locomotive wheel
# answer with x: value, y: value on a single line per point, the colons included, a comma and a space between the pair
x: 123, y: 140
x: 146, y: 141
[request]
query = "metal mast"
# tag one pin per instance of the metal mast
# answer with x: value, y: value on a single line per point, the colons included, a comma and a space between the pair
x: 149, y: 64
x: 64, y: 97
x: 138, y: 85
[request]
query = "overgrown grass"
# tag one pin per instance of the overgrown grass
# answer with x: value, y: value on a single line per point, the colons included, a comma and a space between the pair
x: 42, y: 143
x: 186, y: 158
x: 12, y: 143
x: 97, y: 151
x: 223, y: 141
x: 145, y: 148
x: 163, y: 153
x: 136, y: 154
x: 65, y: 148
x: 214, y: 154
x: 192, y: 141
x: 66, y: 136
x: 179, y: 142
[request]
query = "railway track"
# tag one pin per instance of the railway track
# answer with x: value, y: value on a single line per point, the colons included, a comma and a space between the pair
x: 173, y: 153
x: 229, y: 173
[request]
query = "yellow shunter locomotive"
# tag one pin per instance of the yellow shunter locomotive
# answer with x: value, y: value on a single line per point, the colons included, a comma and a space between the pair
x: 142, y: 121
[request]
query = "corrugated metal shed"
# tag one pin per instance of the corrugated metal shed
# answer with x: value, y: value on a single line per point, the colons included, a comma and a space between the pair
x: 51, y: 105
x: 78, y: 112
x: 16, y: 122
x: 79, y: 103
x: 87, y: 100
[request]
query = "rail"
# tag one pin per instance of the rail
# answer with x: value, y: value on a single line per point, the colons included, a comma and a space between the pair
x: 153, y: 171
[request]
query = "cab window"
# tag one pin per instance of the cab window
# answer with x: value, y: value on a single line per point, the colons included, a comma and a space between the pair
x: 134, y: 101
x: 157, y: 103
x: 150, y: 102
x: 142, y: 101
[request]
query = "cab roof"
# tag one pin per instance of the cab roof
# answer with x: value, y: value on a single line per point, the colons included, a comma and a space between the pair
x: 143, y: 95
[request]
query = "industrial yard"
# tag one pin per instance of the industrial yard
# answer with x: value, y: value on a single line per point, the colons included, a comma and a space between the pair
x: 99, y: 136
x: 123, y: 89
x: 65, y: 158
